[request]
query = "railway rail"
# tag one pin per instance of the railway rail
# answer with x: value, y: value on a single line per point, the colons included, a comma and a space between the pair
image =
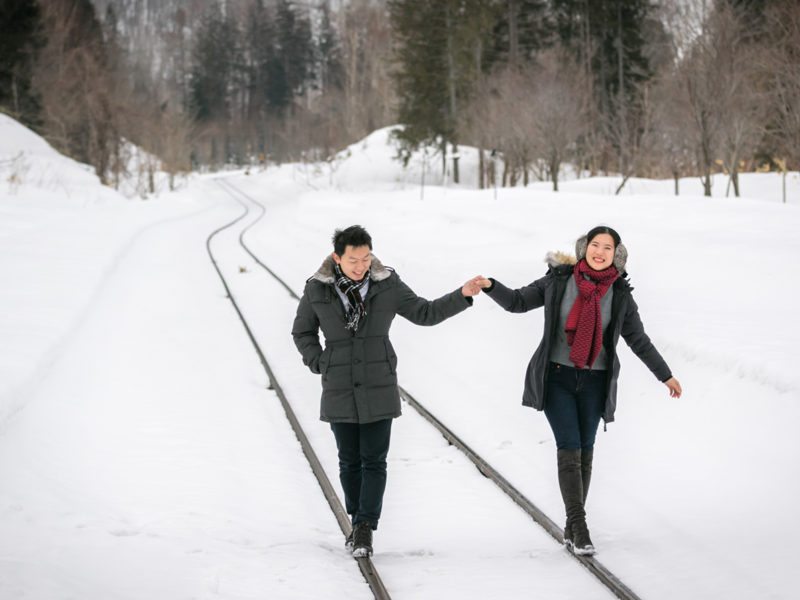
x: 366, y: 565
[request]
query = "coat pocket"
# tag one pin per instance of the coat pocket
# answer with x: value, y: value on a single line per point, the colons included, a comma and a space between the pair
x: 325, y: 361
x: 391, y: 356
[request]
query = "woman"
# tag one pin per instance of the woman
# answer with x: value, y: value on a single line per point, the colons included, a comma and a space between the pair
x: 573, y: 373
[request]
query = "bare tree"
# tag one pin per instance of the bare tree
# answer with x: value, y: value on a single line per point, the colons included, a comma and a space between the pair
x: 781, y: 60
x: 81, y: 110
x: 671, y: 143
x: 368, y: 93
x: 478, y: 127
x: 175, y: 143
x: 708, y: 78
x: 508, y: 114
x: 529, y: 116
x: 558, y: 108
x: 742, y: 100
x: 629, y: 129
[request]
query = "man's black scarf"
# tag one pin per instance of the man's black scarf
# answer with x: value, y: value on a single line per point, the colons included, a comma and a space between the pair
x: 352, y: 291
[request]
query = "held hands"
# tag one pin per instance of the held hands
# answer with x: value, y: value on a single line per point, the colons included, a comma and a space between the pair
x: 474, y: 286
x: 674, y: 386
x: 471, y: 288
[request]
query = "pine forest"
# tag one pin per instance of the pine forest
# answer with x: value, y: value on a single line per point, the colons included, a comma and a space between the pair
x: 645, y: 88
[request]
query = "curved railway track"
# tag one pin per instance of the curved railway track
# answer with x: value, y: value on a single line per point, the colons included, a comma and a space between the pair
x: 365, y: 564
x: 603, y: 574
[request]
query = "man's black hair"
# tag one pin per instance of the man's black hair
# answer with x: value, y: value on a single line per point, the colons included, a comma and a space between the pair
x: 355, y: 236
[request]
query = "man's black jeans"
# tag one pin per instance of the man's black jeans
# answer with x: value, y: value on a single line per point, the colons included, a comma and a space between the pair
x: 362, y: 467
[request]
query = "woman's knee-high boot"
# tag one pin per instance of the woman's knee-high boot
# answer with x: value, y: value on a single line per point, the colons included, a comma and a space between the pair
x: 586, y: 471
x: 586, y: 478
x: 570, y: 480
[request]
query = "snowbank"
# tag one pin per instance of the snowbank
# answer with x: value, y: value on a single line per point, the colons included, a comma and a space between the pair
x: 32, y: 169
x: 373, y: 164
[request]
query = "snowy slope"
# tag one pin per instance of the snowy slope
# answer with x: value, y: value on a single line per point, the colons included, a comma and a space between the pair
x: 31, y: 169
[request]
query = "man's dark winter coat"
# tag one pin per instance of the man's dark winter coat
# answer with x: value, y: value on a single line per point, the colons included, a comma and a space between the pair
x: 548, y: 292
x: 359, y: 372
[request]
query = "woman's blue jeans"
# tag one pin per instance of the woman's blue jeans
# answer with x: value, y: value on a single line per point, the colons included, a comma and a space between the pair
x: 574, y: 406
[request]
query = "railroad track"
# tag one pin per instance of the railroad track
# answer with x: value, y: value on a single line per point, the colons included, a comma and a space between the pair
x: 365, y: 564
x: 595, y: 567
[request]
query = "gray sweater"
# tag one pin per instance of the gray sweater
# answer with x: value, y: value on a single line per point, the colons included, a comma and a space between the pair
x: 560, y: 351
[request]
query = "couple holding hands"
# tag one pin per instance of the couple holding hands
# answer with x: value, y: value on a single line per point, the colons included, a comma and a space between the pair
x: 572, y: 375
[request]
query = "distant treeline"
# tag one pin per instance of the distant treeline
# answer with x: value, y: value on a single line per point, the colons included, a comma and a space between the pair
x: 635, y: 87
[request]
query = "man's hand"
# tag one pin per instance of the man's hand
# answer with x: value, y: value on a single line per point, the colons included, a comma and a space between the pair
x: 473, y: 287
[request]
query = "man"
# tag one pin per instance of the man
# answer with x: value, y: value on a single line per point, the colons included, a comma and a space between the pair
x: 353, y: 298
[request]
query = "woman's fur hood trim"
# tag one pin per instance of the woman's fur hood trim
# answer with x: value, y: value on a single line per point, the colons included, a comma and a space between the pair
x: 557, y: 259
x: 326, y: 274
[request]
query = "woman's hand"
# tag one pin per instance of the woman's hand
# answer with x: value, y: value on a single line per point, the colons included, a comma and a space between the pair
x: 674, y: 386
x: 472, y: 287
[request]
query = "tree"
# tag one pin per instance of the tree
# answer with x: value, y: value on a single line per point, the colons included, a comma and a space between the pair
x: 561, y: 101
x: 532, y: 116
x: 436, y: 68
x: 329, y: 54
x: 608, y: 39
x: 780, y: 62
x: 20, y: 39
x: 295, y: 47
x: 716, y: 81
x: 420, y: 76
x: 72, y: 77
x: 368, y: 94
x: 216, y: 58
x: 521, y: 29
x: 671, y: 143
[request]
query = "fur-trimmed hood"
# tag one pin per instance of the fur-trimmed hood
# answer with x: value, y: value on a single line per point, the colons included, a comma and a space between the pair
x: 326, y: 274
x: 556, y: 258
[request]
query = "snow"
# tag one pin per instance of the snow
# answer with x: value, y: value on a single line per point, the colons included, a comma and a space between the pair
x: 141, y: 454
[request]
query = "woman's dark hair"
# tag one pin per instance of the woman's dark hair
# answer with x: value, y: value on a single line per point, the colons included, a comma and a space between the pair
x: 595, y: 231
x: 355, y: 236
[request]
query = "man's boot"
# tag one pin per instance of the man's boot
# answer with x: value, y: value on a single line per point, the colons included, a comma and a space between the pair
x: 362, y: 539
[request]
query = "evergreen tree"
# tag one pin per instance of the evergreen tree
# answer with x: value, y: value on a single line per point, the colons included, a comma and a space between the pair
x: 436, y: 43
x: 329, y: 54
x: 295, y: 47
x: 522, y: 29
x: 608, y: 39
x: 421, y: 46
x: 216, y: 63
x: 608, y: 35
x: 20, y: 39
x: 268, y: 88
x: 274, y: 88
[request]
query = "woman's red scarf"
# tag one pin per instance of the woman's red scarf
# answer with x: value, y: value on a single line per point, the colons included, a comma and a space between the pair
x: 584, y: 323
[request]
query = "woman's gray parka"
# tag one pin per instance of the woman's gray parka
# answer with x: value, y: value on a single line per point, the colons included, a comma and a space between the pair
x: 548, y: 292
x: 359, y: 372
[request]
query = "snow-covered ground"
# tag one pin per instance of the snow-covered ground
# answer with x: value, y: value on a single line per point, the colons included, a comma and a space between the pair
x: 142, y: 457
